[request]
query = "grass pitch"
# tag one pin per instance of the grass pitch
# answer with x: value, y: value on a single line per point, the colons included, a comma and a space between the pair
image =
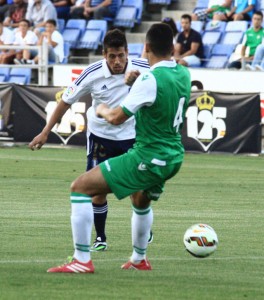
x: 224, y: 191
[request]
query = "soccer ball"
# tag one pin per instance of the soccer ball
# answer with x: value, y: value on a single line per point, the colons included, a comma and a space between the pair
x: 200, y: 240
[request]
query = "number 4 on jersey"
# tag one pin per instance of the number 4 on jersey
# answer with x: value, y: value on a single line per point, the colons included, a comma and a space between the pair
x: 178, y: 117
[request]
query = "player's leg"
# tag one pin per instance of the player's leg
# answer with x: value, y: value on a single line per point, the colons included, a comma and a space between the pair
x: 82, y: 189
x: 96, y: 154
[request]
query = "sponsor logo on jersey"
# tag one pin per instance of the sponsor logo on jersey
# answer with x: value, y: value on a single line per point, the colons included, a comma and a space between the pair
x: 69, y: 91
x: 145, y: 77
x: 142, y: 167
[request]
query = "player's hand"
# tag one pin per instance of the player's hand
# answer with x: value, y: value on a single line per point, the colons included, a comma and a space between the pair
x: 131, y: 76
x: 38, y: 142
x: 101, y: 109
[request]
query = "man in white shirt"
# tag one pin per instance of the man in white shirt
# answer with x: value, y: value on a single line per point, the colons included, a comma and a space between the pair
x: 25, y: 36
x: 6, y: 38
x: 105, y: 80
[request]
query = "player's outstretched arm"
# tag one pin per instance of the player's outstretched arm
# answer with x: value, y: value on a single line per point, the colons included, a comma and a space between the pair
x: 115, y: 116
x: 41, y: 138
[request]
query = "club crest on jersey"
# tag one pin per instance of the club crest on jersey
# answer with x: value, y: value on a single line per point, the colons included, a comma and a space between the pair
x: 206, y: 122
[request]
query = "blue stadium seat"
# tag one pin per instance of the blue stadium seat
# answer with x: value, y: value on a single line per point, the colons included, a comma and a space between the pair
x: 160, y: 2
x: 66, y: 48
x: 197, y: 25
x: 60, y: 25
x: 98, y: 24
x: 232, y: 37
x: 201, y: 4
x: 5, y: 72
x: 2, y: 78
x: 126, y: 17
x: 71, y: 36
x: 115, y: 5
x: 135, y: 50
x: 90, y: 39
x: 76, y: 24
x: 217, y: 62
x: 223, y: 49
x: 207, y: 53
x: 20, y: 75
x: 236, y: 26
x: 215, y: 26
x: 139, y: 6
x: 211, y: 37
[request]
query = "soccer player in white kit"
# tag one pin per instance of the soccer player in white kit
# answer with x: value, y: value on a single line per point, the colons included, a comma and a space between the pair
x: 105, y: 80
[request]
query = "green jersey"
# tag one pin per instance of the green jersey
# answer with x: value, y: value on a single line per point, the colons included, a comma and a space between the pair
x: 159, y: 100
x: 252, y: 39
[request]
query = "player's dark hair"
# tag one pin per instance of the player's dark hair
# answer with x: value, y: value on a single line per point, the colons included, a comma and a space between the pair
x: 160, y: 39
x: 114, y: 39
x: 172, y: 24
x: 51, y: 21
x: 186, y: 16
x: 25, y: 21
x: 259, y: 13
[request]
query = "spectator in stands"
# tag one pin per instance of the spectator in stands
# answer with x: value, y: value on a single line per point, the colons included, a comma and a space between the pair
x: 55, y: 43
x: 97, y: 9
x: 24, y: 36
x: 6, y: 38
x: 77, y: 9
x: 252, y: 38
x: 189, y: 47
x: 172, y: 24
x: 258, y: 61
x: 39, y: 11
x: 62, y: 8
x: 217, y: 9
x: 15, y: 13
x: 242, y: 10
x: 4, y: 6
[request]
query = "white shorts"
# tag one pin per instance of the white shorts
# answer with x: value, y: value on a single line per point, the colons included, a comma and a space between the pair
x: 192, y: 61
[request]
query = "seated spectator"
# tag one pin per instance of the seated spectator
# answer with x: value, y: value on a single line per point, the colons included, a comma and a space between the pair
x: 216, y: 10
x: 189, y: 47
x: 258, y: 60
x: 24, y: 36
x: 55, y: 43
x: 38, y: 12
x: 97, y: 9
x: 242, y: 10
x: 62, y: 8
x: 77, y: 9
x: 6, y: 38
x: 172, y: 24
x: 252, y: 38
x: 15, y: 13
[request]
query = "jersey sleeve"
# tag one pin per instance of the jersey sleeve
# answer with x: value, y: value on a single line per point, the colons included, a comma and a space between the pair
x: 142, y: 93
x: 81, y: 86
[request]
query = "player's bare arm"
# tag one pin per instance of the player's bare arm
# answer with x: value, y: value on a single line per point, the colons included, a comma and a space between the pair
x: 41, y: 138
x: 114, y: 116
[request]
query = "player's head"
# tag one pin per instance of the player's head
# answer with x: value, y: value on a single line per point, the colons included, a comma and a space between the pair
x: 115, y: 51
x: 159, y: 40
x: 186, y: 21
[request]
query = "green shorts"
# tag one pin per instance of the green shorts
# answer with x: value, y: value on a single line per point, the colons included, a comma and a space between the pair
x: 129, y: 173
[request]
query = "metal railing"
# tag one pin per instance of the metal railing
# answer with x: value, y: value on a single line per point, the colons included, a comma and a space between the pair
x: 42, y: 65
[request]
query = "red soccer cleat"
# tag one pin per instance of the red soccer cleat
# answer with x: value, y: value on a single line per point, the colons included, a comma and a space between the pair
x: 144, y: 265
x: 74, y: 267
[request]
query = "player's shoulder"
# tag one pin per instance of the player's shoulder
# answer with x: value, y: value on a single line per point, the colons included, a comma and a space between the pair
x: 93, y: 70
x: 140, y: 62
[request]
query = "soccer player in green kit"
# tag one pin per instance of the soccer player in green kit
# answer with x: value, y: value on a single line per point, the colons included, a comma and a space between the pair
x: 158, y: 100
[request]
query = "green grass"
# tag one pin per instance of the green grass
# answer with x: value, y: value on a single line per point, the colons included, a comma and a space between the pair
x: 224, y: 191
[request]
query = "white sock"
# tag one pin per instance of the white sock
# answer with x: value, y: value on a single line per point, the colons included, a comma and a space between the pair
x: 81, y: 222
x: 141, y: 224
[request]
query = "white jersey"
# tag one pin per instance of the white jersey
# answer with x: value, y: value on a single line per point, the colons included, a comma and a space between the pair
x: 105, y: 88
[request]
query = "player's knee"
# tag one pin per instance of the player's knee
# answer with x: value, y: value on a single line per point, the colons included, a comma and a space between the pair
x: 75, y: 186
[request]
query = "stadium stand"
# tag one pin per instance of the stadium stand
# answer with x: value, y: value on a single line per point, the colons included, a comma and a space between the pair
x: 4, y: 73
x: 126, y: 16
x: 211, y: 37
x: 76, y: 24
x: 135, y: 50
x: 60, y: 25
x: 100, y: 25
x: 71, y: 36
x: 90, y: 39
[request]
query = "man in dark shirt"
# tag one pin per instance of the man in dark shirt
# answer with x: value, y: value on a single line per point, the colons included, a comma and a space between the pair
x: 189, y: 47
